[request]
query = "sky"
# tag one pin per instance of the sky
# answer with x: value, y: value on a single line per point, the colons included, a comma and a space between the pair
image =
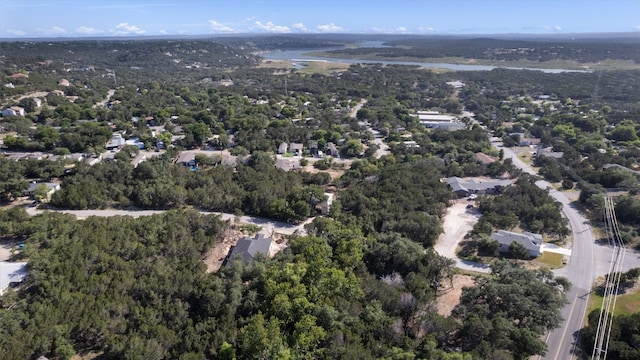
x: 82, y: 18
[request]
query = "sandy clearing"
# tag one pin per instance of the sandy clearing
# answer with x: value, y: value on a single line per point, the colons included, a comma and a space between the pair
x: 457, y: 223
x: 5, y: 250
x: 216, y: 255
x: 451, y: 297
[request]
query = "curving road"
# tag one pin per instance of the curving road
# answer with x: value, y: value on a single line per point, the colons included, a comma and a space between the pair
x: 588, y: 260
x: 268, y: 226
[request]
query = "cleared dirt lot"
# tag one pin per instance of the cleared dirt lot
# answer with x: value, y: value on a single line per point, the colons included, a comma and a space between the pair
x: 457, y: 223
x: 451, y: 297
x: 5, y: 250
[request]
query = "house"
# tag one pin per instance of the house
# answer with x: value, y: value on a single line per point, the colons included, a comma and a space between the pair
x: 287, y: 164
x: 312, y: 145
x: 528, y: 141
x: 116, y: 142
x: 548, y: 153
x: 135, y: 142
x: 247, y: 249
x: 619, y: 167
x: 282, y: 149
x: 64, y: 82
x: 465, y: 187
x: 410, y: 144
x: 11, y: 274
x: 34, y: 186
x: 324, y: 206
x: 532, y: 242
x: 484, y: 159
x: 38, y: 102
x: 229, y: 160
x: 13, y: 111
x: 186, y: 159
x: 296, y: 148
x: 332, y: 150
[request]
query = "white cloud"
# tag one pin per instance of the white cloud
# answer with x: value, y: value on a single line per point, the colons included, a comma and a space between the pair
x: 271, y: 27
x: 86, y: 30
x: 218, y: 27
x: 126, y: 28
x: 163, y: 32
x: 300, y: 27
x: 426, y: 29
x: 553, y: 28
x: 637, y: 27
x: 331, y: 27
x: 54, y: 30
x: 398, y: 30
x: 16, y: 32
x: 249, y: 19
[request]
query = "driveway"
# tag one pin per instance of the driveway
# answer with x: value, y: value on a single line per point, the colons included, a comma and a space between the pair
x: 458, y: 221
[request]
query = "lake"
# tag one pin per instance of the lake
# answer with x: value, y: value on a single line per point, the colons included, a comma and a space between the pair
x: 301, y: 55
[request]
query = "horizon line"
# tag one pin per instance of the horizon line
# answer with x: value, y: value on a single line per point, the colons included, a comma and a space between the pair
x: 240, y: 34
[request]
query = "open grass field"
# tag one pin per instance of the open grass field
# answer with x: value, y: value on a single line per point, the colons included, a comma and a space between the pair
x: 550, y: 260
x: 626, y: 304
x: 325, y: 68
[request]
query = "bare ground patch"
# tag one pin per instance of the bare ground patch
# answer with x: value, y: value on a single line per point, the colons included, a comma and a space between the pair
x: 449, y: 298
x: 216, y: 255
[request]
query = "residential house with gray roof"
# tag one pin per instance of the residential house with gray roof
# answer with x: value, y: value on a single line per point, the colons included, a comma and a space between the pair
x: 248, y: 249
x: 532, y: 242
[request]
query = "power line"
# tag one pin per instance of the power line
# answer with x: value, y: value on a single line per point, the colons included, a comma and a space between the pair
x: 611, y: 285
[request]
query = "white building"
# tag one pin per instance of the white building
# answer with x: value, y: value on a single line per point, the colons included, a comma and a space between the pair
x: 13, y: 111
x: 11, y: 273
x: 532, y: 242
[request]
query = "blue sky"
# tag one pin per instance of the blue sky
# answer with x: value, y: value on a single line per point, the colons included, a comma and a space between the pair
x: 71, y: 18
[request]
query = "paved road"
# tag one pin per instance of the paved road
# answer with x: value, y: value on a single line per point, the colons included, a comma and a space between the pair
x: 268, y: 226
x: 383, y: 149
x: 587, y: 261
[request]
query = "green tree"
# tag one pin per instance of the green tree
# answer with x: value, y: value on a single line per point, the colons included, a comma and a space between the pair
x: 28, y: 104
x: 351, y: 148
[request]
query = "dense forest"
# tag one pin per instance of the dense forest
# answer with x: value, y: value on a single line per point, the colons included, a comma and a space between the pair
x: 136, y: 289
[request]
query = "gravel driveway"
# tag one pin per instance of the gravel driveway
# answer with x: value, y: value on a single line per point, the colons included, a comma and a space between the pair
x: 457, y: 223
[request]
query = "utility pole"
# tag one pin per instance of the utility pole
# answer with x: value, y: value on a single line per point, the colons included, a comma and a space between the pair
x: 286, y: 93
x: 611, y: 285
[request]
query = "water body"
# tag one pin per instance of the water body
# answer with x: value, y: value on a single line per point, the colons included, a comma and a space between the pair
x: 301, y: 55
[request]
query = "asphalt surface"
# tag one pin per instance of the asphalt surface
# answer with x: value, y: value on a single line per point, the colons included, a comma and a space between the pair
x: 588, y: 260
